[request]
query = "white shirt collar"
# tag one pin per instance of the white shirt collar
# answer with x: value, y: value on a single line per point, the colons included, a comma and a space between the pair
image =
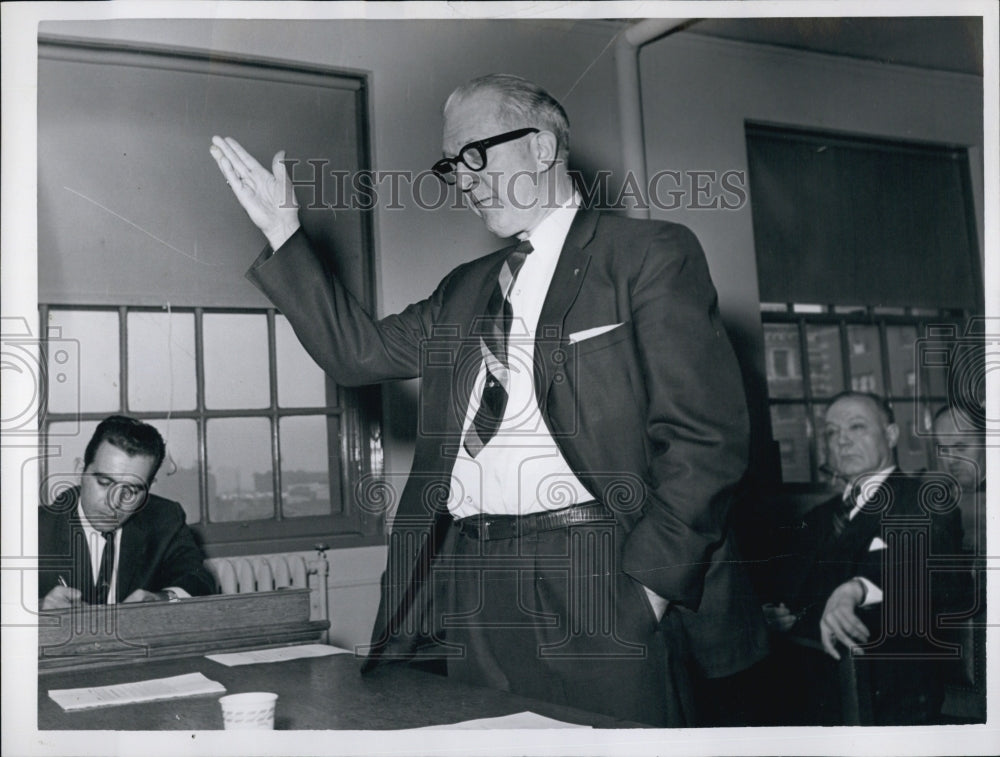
x: 88, y: 527
x: 551, y: 232
x: 870, y: 482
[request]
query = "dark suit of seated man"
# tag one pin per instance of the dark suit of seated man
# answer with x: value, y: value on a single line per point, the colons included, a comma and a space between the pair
x: 858, y: 576
x: 108, y: 540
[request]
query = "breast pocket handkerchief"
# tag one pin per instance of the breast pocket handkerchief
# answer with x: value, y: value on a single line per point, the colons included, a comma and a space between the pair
x: 579, y: 336
x: 877, y: 544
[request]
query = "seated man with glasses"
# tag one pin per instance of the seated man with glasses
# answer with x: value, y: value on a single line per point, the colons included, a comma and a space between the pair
x: 108, y: 540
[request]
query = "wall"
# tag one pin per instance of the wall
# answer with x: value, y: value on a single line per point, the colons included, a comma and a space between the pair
x: 698, y: 91
x: 413, y: 66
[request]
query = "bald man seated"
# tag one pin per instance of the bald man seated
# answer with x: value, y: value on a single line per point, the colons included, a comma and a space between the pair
x: 859, y: 579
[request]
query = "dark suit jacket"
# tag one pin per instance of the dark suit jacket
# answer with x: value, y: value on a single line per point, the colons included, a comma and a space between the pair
x: 903, y: 504
x: 650, y: 415
x: 909, y: 515
x: 157, y: 550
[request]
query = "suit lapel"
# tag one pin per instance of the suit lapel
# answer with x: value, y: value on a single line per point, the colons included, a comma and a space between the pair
x: 78, y: 548
x: 469, y: 355
x: 563, y: 290
x: 130, y: 555
x: 549, y: 340
x: 866, y: 524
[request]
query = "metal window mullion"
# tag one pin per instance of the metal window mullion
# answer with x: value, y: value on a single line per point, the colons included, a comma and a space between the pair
x: 924, y: 402
x: 43, y: 389
x: 802, y: 324
x: 883, y: 343
x: 199, y: 378
x: 272, y: 369
x: 845, y: 355
x: 123, y: 358
x: 195, y: 415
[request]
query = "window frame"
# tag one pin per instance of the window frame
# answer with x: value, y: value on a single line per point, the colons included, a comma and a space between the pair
x: 355, y: 434
x: 802, y: 316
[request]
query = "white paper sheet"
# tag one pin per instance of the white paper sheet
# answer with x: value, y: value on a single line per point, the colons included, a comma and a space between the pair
x: 517, y: 720
x: 189, y: 685
x: 277, y: 654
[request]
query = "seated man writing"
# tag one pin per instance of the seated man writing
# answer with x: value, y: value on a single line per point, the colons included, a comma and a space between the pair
x: 108, y: 540
x: 859, y: 576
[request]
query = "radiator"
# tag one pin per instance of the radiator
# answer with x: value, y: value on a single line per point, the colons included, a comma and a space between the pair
x: 253, y: 573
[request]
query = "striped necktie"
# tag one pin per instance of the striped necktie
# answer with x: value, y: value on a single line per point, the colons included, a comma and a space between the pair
x: 842, y: 513
x: 493, y: 345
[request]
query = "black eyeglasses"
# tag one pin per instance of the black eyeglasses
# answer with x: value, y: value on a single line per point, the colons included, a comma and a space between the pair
x: 473, y: 155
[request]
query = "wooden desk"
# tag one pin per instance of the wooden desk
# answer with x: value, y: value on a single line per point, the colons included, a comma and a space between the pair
x: 109, y: 635
x: 320, y: 693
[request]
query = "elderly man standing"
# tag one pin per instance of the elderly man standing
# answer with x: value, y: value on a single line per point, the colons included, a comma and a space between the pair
x: 583, y: 426
x: 861, y: 576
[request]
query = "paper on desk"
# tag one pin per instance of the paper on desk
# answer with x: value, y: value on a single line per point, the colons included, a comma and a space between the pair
x: 278, y: 654
x: 189, y: 685
x: 517, y: 720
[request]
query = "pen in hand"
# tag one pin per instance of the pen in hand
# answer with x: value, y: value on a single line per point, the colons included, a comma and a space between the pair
x: 62, y: 582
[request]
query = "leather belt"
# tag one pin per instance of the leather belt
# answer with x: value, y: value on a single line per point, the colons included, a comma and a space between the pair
x: 490, y: 527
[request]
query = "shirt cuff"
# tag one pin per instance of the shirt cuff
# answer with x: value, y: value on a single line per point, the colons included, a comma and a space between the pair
x: 873, y: 594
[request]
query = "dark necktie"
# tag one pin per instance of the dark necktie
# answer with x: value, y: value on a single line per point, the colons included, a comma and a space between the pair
x: 842, y: 512
x: 493, y: 344
x: 107, y: 568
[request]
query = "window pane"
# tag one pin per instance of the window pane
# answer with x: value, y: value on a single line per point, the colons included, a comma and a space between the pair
x: 83, y: 361
x: 911, y: 449
x: 935, y: 380
x: 866, y: 361
x: 178, y: 476
x: 826, y: 364
x: 944, y: 348
x: 902, y: 370
x: 236, y: 369
x: 67, y: 442
x: 788, y: 423
x: 781, y: 351
x: 240, y: 485
x: 161, y: 370
x: 305, y: 467
x: 301, y: 383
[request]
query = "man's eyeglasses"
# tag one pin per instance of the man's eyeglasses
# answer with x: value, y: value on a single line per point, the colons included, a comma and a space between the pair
x: 473, y: 155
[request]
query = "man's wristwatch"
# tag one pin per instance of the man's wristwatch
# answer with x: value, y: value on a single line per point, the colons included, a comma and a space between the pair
x: 170, y: 595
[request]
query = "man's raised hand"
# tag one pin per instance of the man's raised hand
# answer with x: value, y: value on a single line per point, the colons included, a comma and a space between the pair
x: 266, y: 196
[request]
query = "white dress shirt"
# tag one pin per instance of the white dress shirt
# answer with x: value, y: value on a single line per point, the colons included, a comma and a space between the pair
x: 96, y: 543
x: 521, y: 470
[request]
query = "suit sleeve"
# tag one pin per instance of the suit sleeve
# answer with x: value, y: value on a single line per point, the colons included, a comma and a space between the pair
x: 697, y: 426
x: 181, y: 562
x: 344, y: 340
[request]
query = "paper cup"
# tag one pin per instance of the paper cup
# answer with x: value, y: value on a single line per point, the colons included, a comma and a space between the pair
x: 251, y: 711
